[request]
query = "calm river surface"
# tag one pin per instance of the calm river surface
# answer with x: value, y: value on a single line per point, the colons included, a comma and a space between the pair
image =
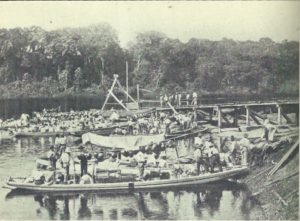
x: 218, y: 201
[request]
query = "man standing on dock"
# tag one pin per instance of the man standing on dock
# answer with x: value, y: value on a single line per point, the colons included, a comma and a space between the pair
x: 195, y: 99
x: 187, y: 99
x: 179, y: 99
x: 166, y: 99
x: 161, y: 100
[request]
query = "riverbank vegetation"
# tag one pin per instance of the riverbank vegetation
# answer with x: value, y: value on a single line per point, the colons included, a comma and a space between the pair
x: 37, y: 63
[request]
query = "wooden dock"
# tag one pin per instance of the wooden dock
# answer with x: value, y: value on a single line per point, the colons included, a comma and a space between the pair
x: 236, y: 115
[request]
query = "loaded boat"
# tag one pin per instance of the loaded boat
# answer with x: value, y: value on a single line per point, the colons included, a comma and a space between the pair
x: 101, y: 131
x: 20, y: 184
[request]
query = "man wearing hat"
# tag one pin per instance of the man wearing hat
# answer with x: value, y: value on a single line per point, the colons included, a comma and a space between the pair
x: 83, y: 157
x: 65, y: 161
x: 245, y: 145
x: 51, y: 155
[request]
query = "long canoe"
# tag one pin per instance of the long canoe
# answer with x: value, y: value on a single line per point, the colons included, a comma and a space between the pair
x: 185, y: 133
x: 101, y: 131
x: 129, y: 186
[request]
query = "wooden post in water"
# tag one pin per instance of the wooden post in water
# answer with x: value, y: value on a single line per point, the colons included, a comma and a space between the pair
x: 247, y: 116
x: 278, y: 114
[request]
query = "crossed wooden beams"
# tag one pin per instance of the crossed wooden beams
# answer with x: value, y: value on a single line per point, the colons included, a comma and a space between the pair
x: 110, y: 93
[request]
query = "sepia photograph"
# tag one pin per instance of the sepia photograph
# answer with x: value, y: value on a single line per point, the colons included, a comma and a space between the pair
x: 149, y: 110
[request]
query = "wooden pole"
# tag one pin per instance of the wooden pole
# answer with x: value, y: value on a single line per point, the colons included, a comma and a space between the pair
x: 278, y: 114
x: 284, y: 158
x: 127, y: 79
x: 138, y: 92
x: 235, y: 118
x: 112, y: 94
x: 125, y: 92
x: 108, y: 95
x: 247, y: 116
x: 102, y: 71
x: 219, y: 118
x: 173, y: 109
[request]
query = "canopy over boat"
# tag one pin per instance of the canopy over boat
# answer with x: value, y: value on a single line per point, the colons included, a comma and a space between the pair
x: 122, y: 142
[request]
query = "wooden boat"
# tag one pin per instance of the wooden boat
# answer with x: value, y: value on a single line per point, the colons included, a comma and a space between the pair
x: 19, y: 184
x: 185, y: 133
x: 101, y: 131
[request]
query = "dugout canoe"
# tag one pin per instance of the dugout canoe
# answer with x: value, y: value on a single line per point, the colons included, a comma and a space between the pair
x: 185, y: 133
x: 128, y: 186
x: 100, y: 131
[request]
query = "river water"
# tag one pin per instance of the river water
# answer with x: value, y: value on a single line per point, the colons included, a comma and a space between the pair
x: 16, y: 106
x: 224, y: 201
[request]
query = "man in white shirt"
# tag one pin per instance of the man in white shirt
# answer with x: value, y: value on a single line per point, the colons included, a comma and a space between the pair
x: 269, y: 130
x: 140, y: 158
x: 187, y: 99
x: 195, y: 97
x: 214, y: 158
x: 245, y: 145
x: 161, y: 99
x: 179, y: 99
x: 65, y: 161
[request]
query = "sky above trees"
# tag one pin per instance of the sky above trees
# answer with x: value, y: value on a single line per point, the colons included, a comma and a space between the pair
x: 214, y: 20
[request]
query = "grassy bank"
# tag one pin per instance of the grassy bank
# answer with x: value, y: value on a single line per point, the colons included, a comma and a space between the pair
x: 283, y: 184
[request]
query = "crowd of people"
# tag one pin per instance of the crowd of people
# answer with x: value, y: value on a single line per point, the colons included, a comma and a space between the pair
x: 179, y: 99
x: 59, y: 122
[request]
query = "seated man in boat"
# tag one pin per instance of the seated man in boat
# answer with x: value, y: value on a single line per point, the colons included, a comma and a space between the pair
x: 162, y: 160
x: 214, y: 158
x: 201, y: 159
x: 86, y: 179
x: 114, y: 116
x: 151, y: 160
x: 125, y: 159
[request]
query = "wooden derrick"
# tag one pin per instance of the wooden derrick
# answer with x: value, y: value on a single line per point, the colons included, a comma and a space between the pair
x: 110, y: 93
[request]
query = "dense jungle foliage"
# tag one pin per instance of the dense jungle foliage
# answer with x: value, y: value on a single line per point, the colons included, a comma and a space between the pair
x: 35, y: 62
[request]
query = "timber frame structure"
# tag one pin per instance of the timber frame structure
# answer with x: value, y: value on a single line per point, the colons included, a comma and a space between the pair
x: 243, y: 115
x: 111, y: 94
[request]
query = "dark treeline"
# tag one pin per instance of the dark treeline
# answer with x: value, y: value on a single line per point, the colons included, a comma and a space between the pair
x: 35, y: 62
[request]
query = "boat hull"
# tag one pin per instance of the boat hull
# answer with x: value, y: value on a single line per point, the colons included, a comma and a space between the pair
x: 101, y: 131
x: 131, y: 186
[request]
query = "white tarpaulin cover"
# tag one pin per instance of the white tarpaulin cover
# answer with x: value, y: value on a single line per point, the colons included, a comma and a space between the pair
x: 124, y: 142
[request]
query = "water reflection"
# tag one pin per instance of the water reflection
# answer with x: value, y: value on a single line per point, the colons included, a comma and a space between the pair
x: 197, y: 203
